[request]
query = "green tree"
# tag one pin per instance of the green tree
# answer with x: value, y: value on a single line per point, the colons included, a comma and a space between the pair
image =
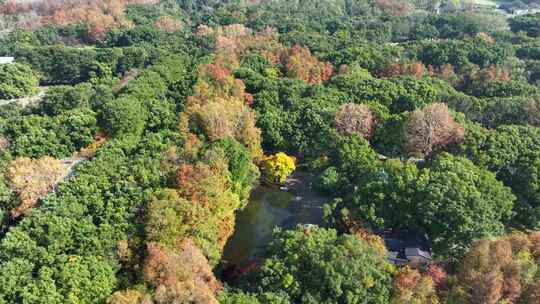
x: 499, y: 148
x: 125, y: 116
x: 315, y: 265
x: 453, y: 201
x: 58, y: 136
x: 59, y: 64
x: 75, y: 264
x: 63, y: 98
x: 240, y: 297
x: 523, y: 176
x: 461, y: 203
x: 356, y: 161
x: 328, y: 181
x: 527, y: 23
x: 391, y: 196
x: 244, y: 173
x: 17, y: 80
x: 413, y: 94
x: 169, y: 218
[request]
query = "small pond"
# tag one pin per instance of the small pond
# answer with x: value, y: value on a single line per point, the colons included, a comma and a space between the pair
x: 268, y: 207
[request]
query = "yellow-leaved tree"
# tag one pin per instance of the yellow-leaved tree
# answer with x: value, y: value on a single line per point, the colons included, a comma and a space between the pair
x: 276, y: 168
x: 31, y: 179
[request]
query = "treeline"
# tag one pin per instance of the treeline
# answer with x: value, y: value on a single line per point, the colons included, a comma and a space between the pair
x: 65, y: 64
x: 98, y: 17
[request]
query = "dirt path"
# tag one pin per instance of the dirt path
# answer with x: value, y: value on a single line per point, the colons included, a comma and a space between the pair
x: 70, y: 164
x: 26, y: 101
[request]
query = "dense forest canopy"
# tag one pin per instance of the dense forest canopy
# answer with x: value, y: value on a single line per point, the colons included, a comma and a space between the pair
x: 132, y: 133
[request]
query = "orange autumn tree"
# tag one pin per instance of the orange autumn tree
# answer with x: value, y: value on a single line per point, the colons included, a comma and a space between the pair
x: 374, y: 240
x: 221, y: 118
x: 129, y: 297
x: 220, y: 109
x: 204, y: 203
x: 216, y: 80
x: 219, y: 205
x: 532, y: 293
x: 439, y: 276
x: 492, y: 73
x: 445, y: 72
x: 168, y: 24
x: 531, y: 108
x: 299, y: 63
x: 178, y: 276
x: 393, y: 7
x: 236, y: 40
x: 501, y: 270
x: 186, y: 231
x: 413, y: 68
x: 411, y: 286
x: 4, y: 144
x: 197, y: 217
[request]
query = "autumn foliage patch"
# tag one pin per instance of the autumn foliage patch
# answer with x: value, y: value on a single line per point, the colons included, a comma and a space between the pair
x: 101, y: 16
x: 430, y: 129
x: 31, y: 179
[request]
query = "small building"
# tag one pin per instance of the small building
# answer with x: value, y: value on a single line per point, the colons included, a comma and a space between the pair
x: 417, y: 256
x: 406, y: 247
x: 7, y: 60
x: 393, y: 257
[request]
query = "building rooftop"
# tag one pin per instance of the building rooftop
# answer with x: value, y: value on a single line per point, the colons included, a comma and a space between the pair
x: 405, y: 247
x: 7, y: 60
x: 412, y: 252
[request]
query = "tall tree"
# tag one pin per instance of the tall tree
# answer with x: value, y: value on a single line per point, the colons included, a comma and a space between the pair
x: 315, y: 265
x: 431, y: 129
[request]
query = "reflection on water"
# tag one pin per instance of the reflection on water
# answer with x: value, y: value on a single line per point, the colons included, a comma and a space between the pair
x: 269, y: 207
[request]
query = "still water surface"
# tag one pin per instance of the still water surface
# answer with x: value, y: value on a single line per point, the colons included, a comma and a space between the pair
x: 269, y: 207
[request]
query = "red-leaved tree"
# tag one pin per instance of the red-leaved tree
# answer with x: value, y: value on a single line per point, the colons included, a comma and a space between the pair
x: 301, y: 64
